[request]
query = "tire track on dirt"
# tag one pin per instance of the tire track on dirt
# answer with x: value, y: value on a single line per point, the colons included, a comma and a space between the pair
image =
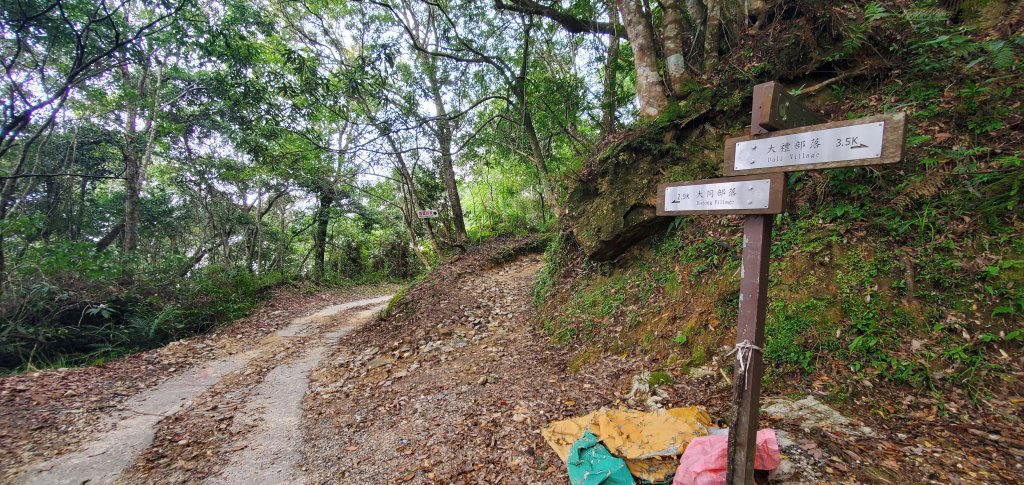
x: 133, y: 431
x: 273, y: 449
x: 104, y: 457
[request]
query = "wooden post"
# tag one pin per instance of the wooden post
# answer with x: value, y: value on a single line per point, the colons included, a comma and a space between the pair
x: 757, y: 243
x: 773, y: 109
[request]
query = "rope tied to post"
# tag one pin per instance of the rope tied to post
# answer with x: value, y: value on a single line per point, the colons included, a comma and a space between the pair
x: 744, y: 351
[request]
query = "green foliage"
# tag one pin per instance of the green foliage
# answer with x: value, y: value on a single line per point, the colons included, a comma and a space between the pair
x: 76, y: 307
x: 659, y: 378
x: 796, y: 333
x: 590, y: 310
x: 554, y: 256
x: 392, y: 306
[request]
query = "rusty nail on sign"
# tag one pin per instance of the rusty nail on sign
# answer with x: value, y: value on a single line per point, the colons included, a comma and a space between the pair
x: 754, y: 194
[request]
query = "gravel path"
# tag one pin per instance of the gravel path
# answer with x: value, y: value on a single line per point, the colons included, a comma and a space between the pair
x: 275, y: 410
x: 107, y: 454
x: 451, y: 390
x: 125, y: 436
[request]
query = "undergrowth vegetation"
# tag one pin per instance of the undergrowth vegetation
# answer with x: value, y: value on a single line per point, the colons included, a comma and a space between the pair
x: 910, y: 274
x: 75, y: 306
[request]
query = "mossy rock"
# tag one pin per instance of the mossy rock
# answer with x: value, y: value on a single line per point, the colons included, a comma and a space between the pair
x: 611, y: 206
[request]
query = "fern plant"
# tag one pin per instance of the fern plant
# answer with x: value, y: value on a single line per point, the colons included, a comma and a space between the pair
x: 1002, y: 53
x: 928, y: 184
x: 875, y: 11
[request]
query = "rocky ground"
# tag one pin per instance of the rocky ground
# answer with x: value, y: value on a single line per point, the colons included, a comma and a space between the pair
x: 453, y: 386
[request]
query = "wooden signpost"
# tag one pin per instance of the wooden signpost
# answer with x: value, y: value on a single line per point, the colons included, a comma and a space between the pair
x: 800, y: 141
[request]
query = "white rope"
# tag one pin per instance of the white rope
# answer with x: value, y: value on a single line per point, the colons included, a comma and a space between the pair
x: 743, y: 350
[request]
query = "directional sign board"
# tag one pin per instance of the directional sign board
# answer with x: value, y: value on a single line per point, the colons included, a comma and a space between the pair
x: 755, y: 194
x: 426, y: 214
x: 873, y: 140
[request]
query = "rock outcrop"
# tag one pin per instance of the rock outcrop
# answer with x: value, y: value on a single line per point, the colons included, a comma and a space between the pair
x: 611, y: 206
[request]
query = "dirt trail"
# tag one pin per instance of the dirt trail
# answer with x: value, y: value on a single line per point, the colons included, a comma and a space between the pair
x: 453, y: 390
x: 275, y: 410
x: 103, y: 458
x: 455, y: 387
x: 272, y: 410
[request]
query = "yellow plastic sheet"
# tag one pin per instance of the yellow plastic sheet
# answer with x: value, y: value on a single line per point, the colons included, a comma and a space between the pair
x: 649, y: 442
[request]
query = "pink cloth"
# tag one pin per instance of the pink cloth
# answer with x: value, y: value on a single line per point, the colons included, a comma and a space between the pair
x: 705, y: 459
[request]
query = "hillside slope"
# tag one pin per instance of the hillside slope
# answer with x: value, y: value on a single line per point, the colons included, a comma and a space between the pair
x: 896, y: 293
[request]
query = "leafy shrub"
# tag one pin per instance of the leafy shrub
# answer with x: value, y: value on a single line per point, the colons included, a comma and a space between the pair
x: 74, y: 306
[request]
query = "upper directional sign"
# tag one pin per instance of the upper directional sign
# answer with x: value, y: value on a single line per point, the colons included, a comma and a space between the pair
x: 755, y: 194
x: 866, y: 141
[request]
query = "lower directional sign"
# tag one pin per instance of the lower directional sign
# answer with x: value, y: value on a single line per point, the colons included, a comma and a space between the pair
x: 752, y: 194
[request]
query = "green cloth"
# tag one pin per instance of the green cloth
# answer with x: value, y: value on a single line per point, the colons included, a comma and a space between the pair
x: 590, y: 463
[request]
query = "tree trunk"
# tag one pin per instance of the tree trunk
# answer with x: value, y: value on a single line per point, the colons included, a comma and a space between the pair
x: 519, y: 90
x: 131, y: 201
x: 79, y: 219
x: 136, y: 162
x: 711, y: 33
x: 673, y: 29
x: 323, y: 217
x: 132, y: 168
x: 109, y: 238
x: 410, y: 199
x: 444, y: 141
x: 3, y: 259
x: 649, y: 88
x: 697, y: 12
x: 735, y: 15
x: 609, y: 105
x: 196, y: 258
x: 278, y: 262
x: 260, y: 234
x: 408, y: 215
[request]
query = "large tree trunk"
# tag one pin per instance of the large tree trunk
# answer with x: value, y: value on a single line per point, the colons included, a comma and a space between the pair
x: 649, y: 88
x: 132, y: 160
x: 673, y: 28
x: 692, y: 35
x: 323, y: 217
